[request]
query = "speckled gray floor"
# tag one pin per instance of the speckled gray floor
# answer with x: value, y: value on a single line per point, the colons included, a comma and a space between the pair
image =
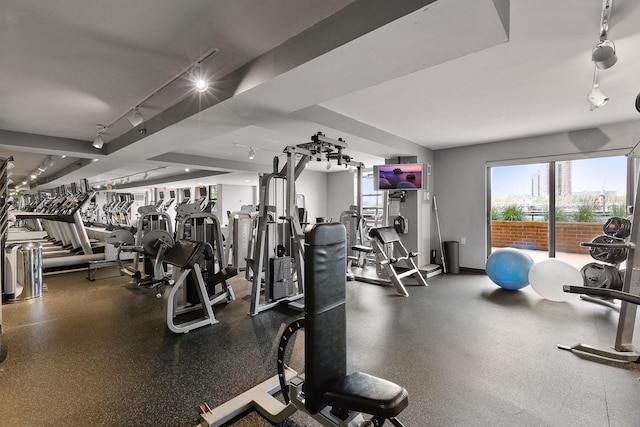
x: 469, y: 354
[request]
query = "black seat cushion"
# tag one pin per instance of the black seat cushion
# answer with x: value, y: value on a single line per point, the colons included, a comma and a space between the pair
x: 365, y: 393
x: 385, y: 234
x: 184, y: 253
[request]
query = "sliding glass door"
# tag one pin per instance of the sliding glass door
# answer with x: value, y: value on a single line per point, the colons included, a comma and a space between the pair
x: 520, y: 208
x: 548, y: 208
x: 588, y: 192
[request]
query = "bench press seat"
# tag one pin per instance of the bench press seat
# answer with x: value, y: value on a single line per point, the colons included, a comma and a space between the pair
x: 365, y: 393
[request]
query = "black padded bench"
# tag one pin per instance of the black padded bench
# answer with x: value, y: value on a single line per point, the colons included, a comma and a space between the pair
x: 326, y: 379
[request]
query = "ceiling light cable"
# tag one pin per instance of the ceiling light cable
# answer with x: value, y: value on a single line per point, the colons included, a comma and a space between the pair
x: 134, y: 115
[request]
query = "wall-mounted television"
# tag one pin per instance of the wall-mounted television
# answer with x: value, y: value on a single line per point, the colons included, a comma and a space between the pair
x: 408, y: 176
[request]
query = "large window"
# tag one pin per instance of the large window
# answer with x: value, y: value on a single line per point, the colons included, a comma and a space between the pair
x: 549, y: 208
x: 372, y: 202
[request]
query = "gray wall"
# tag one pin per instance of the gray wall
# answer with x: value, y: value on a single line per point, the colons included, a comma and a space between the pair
x: 231, y: 198
x: 341, y: 193
x: 459, y: 177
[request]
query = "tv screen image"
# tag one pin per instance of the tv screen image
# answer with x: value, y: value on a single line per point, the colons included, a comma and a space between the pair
x: 400, y: 177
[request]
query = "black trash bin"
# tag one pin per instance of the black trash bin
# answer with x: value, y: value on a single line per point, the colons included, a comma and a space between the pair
x: 452, y: 256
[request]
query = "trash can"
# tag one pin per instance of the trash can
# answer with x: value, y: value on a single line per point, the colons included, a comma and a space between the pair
x: 451, y: 256
x: 29, y: 271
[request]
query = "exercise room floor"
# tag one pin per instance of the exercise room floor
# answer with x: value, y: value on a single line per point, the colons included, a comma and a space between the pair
x: 469, y: 353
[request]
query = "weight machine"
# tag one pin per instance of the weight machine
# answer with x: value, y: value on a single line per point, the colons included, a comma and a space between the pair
x: 238, y: 244
x: 201, y: 226
x: 276, y: 270
x: 623, y: 349
x: 386, y: 243
x: 325, y: 391
x: 197, y: 262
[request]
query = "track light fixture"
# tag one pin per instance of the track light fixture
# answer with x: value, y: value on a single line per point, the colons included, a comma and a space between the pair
x: 604, y: 55
x: 200, y: 82
x: 99, y: 142
x: 128, y: 179
x: 596, y: 98
x: 252, y: 153
x: 135, y: 118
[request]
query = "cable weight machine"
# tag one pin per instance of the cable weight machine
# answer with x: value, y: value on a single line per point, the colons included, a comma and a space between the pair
x: 277, y: 263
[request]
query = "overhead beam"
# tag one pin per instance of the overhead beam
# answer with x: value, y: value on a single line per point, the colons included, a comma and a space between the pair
x: 209, y: 162
x: 353, y: 21
x: 21, y: 141
x: 73, y: 167
x: 168, y: 179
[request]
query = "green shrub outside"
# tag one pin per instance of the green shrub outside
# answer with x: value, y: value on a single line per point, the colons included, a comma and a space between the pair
x: 584, y: 214
x: 495, y: 214
x: 561, y: 215
x: 619, y: 211
x: 512, y: 213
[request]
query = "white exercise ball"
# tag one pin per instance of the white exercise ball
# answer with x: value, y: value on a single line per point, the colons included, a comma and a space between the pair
x: 547, y: 278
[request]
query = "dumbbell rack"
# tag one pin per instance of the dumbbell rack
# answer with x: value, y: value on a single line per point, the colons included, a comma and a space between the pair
x: 623, y: 349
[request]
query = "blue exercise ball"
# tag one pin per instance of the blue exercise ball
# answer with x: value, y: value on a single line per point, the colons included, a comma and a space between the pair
x: 509, y: 268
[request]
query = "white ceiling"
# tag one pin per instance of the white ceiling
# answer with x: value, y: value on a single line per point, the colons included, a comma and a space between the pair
x: 388, y: 77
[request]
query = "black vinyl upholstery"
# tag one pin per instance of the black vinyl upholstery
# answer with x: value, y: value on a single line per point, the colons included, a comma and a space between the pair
x: 385, y: 234
x: 184, y: 253
x: 365, y: 393
x: 324, y: 306
x: 326, y: 379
